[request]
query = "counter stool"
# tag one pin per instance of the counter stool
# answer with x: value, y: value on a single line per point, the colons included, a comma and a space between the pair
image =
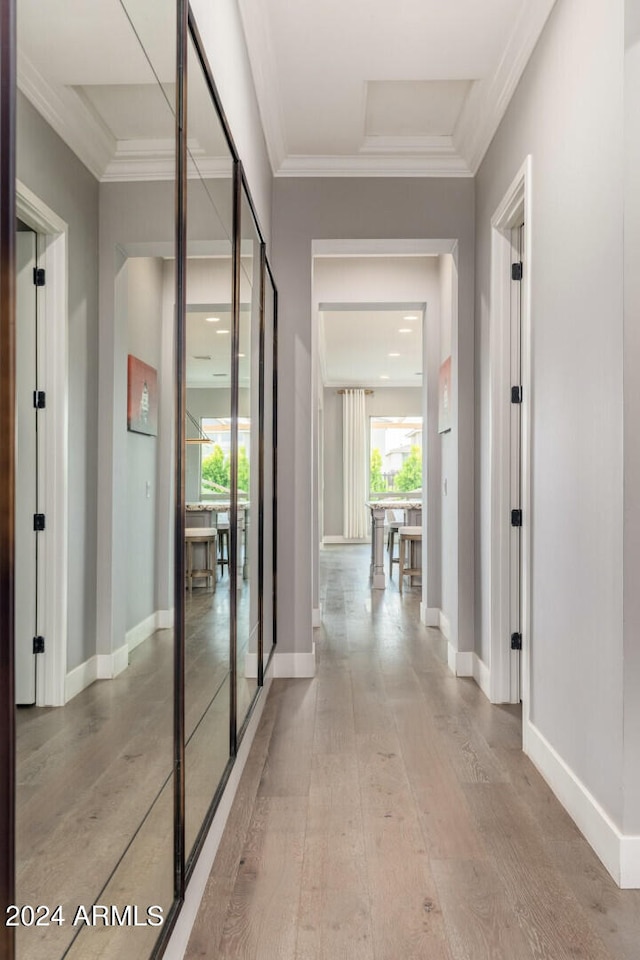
x: 393, y: 527
x: 207, y: 536
x: 408, y: 536
x: 223, y: 540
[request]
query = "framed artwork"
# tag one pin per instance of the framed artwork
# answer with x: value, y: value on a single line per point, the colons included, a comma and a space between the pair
x: 142, y: 397
x: 444, y: 397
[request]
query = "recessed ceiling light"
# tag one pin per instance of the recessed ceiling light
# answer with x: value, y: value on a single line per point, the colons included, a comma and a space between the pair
x: 383, y: 376
x: 405, y: 330
x: 213, y: 319
x: 410, y: 318
x: 241, y: 354
x: 222, y: 331
x: 394, y: 354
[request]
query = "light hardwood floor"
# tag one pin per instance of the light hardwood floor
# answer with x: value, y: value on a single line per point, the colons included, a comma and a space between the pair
x: 387, y: 812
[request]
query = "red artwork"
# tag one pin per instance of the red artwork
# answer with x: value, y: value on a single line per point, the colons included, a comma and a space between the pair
x: 142, y: 398
x: 444, y: 397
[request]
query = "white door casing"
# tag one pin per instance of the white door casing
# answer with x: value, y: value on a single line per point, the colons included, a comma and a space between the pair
x: 26, y: 497
x: 52, y: 246
x: 509, y: 671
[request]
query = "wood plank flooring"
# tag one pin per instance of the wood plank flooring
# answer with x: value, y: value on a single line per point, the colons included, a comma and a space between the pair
x: 387, y: 812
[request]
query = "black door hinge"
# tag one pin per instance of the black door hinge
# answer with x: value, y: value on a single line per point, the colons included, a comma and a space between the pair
x: 38, y: 276
x: 516, y: 641
x: 516, y: 394
x: 39, y: 399
x: 38, y: 521
x: 516, y: 270
x: 516, y: 518
x: 38, y: 644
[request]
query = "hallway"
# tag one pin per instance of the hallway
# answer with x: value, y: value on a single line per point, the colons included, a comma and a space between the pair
x: 387, y: 812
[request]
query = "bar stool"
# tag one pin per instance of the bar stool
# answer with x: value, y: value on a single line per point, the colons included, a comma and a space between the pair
x: 397, y: 521
x: 207, y: 536
x: 222, y: 525
x: 408, y: 536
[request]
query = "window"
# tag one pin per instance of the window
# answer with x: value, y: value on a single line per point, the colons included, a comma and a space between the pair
x: 395, y: 464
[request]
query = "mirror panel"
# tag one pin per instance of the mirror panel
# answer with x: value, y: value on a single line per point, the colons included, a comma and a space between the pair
x: 248, y: 460
x: 95, y: 773
x: 268, y: 545
x: 209, y: 326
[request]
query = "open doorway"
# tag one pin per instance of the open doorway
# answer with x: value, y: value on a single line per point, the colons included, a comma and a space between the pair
x: 356, y: 286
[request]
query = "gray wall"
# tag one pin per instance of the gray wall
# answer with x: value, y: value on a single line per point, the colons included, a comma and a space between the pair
x: 144, y: 278
x: 385, y: 402
x: 631, y: 814
x: 306, y: 209
x: 448, y: 461
x: 47, y: 167
x: 567, y: 113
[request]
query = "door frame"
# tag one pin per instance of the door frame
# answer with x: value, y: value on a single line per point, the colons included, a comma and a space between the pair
x: 51, y: 253
x: 509, y: 677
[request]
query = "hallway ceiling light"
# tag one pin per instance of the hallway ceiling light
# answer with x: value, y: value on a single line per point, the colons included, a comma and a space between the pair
x: 241, y: 354
x: 394, y: 354
x: 410, y: 318
x: 213, y: 319
x: 384, y: 376
x: 405, y: 330
x: 222, y: 331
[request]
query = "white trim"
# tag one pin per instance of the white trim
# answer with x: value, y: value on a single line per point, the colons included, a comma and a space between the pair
x: 505, y: 668
x: 79, y: 678
x: 102, y: 666
x: 382, y: 248
x: 251, y: 666
x: 619, y: 853
x: 363, y: 165
x: 460, y: 661
x: 52, y: 241
x: 316, y: 617
x: 165, y: 619
x: 68, y: 115
x: 110, y: 665
x: 489, y: 98
x: 138, y: 634
x: 257, y: 33
x: 444, y: 625
x: 429, y: 616
x: 286, y: 665
x: 482, y: 675
x: 177, y: 945
x: 339, y: 539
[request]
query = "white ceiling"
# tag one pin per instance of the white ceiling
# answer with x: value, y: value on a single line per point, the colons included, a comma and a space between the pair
x: 362, y: 87
x: 345, y: 87
x: 208, y: 347
x: 356, y: 347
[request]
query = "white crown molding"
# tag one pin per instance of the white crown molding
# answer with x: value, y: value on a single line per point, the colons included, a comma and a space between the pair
x: 374, y: 166
x: 430, y: 147
x: 66, y: 113
x: 489, y: 98
x: 257, y: 32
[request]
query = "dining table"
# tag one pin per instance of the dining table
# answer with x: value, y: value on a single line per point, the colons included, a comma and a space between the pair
x: 378, y: 510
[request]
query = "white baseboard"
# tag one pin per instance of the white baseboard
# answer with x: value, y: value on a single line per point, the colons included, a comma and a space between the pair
x: 619, y: 853
x: 316, y: 617
x: 165, y: 619
x: 159, y: 620
x: 294, y: 664
x: 79, y: 678
x: 177, y: 945
x: 482, y: 675
x: 103, y: 666
x: 460, y: 661
x: 430, y: 616
x: 445, y: 626
x: 251, y: 665
x: 339, y: 539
